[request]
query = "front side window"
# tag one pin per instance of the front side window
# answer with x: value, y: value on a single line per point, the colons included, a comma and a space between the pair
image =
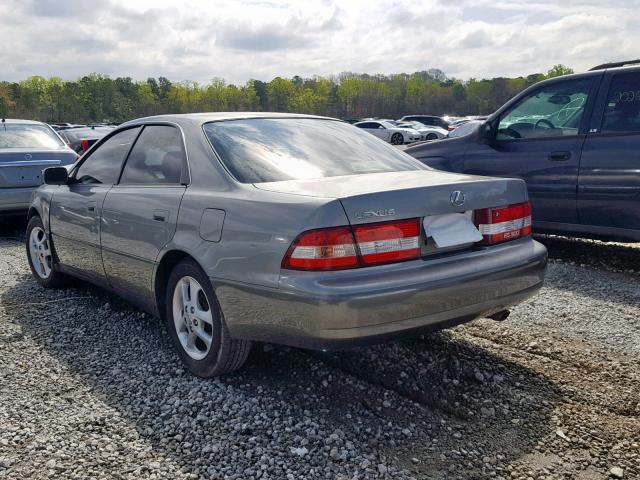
x: 104, y: 164
x: 622, y: 111
x: 156, y: 158
x: 270, y: 150
x: 554, y: 110
x: 24, y: 135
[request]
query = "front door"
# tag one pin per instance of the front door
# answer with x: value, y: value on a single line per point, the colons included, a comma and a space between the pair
x: 539, y: 139
x: 609, y: 182
x: 76, y: 207
x: 140, y: 213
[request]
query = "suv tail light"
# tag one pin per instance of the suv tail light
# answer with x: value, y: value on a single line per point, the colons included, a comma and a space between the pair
x: 501, y: 224
x: 348, y: 247
x: 84, y: 144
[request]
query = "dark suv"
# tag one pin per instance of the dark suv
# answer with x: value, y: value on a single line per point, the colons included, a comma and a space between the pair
x: 575, y: 140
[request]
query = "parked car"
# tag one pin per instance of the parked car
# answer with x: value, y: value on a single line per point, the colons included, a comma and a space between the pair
x: 575, y: 140
x: 428, y: 120
x: 64, y: 126
x: 426, y: 132
x: 26, y: 148
x: 389, y: 132
x: 464, y: 129
x: 237, y: 227
x: 80, y: 139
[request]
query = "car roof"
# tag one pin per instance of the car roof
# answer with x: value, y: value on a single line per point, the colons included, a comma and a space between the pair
x: 22, y: 121
x: 206, y: 117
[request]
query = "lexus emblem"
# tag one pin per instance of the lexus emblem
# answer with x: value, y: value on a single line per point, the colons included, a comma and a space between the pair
x: 28, y: 156
x: 457, y: 198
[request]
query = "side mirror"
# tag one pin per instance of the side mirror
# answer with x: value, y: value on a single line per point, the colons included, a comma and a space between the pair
x: 56, y: 176
x: 486, y: 133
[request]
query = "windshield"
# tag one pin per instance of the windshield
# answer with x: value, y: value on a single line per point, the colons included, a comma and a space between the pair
x: 18, y: 135
x: 270, y: 150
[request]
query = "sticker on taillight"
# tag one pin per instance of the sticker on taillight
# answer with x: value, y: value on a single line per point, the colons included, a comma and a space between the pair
x: 504, y: 223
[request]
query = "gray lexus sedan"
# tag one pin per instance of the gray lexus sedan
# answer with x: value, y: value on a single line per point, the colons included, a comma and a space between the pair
x: 292, y: 229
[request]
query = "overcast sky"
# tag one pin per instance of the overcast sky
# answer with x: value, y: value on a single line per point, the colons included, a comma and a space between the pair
x: 242, y: 39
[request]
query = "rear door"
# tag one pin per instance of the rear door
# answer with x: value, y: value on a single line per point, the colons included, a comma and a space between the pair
x: 75, y: 208
x: 609, y: 182
x: 539, y: 139
x: 140, y: 213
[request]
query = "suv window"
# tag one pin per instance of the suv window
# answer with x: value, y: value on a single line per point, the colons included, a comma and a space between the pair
x: 555, y: 110
x: 622, y: 111
x: 156, y: 158
x: 104, y: 163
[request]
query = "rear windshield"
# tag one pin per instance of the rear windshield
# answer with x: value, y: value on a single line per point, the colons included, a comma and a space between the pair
x: 85, y: 133
x: 270, y: 150
x: 15, y: 135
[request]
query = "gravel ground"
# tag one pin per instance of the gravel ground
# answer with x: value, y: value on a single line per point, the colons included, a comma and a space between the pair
x: 91, y: 388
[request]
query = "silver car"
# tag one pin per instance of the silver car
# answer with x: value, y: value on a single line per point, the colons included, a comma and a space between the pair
x: 26, y: 148
x: 293, y: 229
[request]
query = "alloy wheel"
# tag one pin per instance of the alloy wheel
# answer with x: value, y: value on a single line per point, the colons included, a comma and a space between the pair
x: 40, y: 253
x: 192, y: 318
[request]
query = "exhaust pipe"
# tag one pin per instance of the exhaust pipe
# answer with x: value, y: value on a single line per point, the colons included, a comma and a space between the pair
x: 500, y: 316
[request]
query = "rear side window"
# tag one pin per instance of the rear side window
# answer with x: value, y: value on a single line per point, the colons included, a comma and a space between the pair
x: 622, y: 111
x: 16, y: 135
x: 156, y: 158
x: 104, y: 164
x: 270, y: 150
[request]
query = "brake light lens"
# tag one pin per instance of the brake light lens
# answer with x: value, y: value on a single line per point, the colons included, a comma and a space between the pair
x: 349, y: 247
x: 322, y: 249
x: 388, y: 242
x: 84, y: 144
x: 502, y: 224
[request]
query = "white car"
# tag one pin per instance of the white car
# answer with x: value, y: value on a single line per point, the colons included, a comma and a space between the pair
x: 387, y: 131
x: 426, y: 132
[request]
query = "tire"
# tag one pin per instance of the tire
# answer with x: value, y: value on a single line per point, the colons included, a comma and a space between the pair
x: 193, y: 317
x: 397, y: 139
x: 41, y: 255
x: 431, y: 136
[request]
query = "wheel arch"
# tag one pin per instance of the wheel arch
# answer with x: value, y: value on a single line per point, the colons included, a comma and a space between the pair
x: 168, y: 261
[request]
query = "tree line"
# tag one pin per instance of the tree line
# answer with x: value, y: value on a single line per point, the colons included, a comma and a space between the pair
x: 99, y: 98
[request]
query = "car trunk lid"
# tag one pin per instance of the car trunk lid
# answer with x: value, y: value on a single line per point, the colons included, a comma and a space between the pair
x: 417, y: 193
x: 23, y: 168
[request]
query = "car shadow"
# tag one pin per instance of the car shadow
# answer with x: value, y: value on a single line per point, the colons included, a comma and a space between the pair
x: 407, y: 401
x: 12, y: 228
x: 624, y: 257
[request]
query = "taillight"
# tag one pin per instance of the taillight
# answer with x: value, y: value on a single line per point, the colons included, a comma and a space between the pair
x: 322, y: 249
x: 388, y: 241
x: 84, y: 144
x: 348, y: 247
x: 504, y: 223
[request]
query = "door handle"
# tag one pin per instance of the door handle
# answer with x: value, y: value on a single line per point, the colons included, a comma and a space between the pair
x: 91, y: 206
x: 160, y: 215
x: 559, y: 156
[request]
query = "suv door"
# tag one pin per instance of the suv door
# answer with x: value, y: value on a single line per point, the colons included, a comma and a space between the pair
x: 75, y: 208
x: 140, y: 213
x: 609, y: 181
x: 539, y: 138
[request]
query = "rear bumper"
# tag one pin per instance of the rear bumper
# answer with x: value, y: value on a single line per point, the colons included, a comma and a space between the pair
x: 15, y: 199
x: 368, y: 305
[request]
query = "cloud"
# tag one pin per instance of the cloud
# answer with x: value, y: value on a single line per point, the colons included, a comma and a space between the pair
x: 261, y: 39
x: 242, y: 39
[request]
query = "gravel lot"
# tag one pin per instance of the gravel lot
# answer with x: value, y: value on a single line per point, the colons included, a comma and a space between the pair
x: 90, y: 388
